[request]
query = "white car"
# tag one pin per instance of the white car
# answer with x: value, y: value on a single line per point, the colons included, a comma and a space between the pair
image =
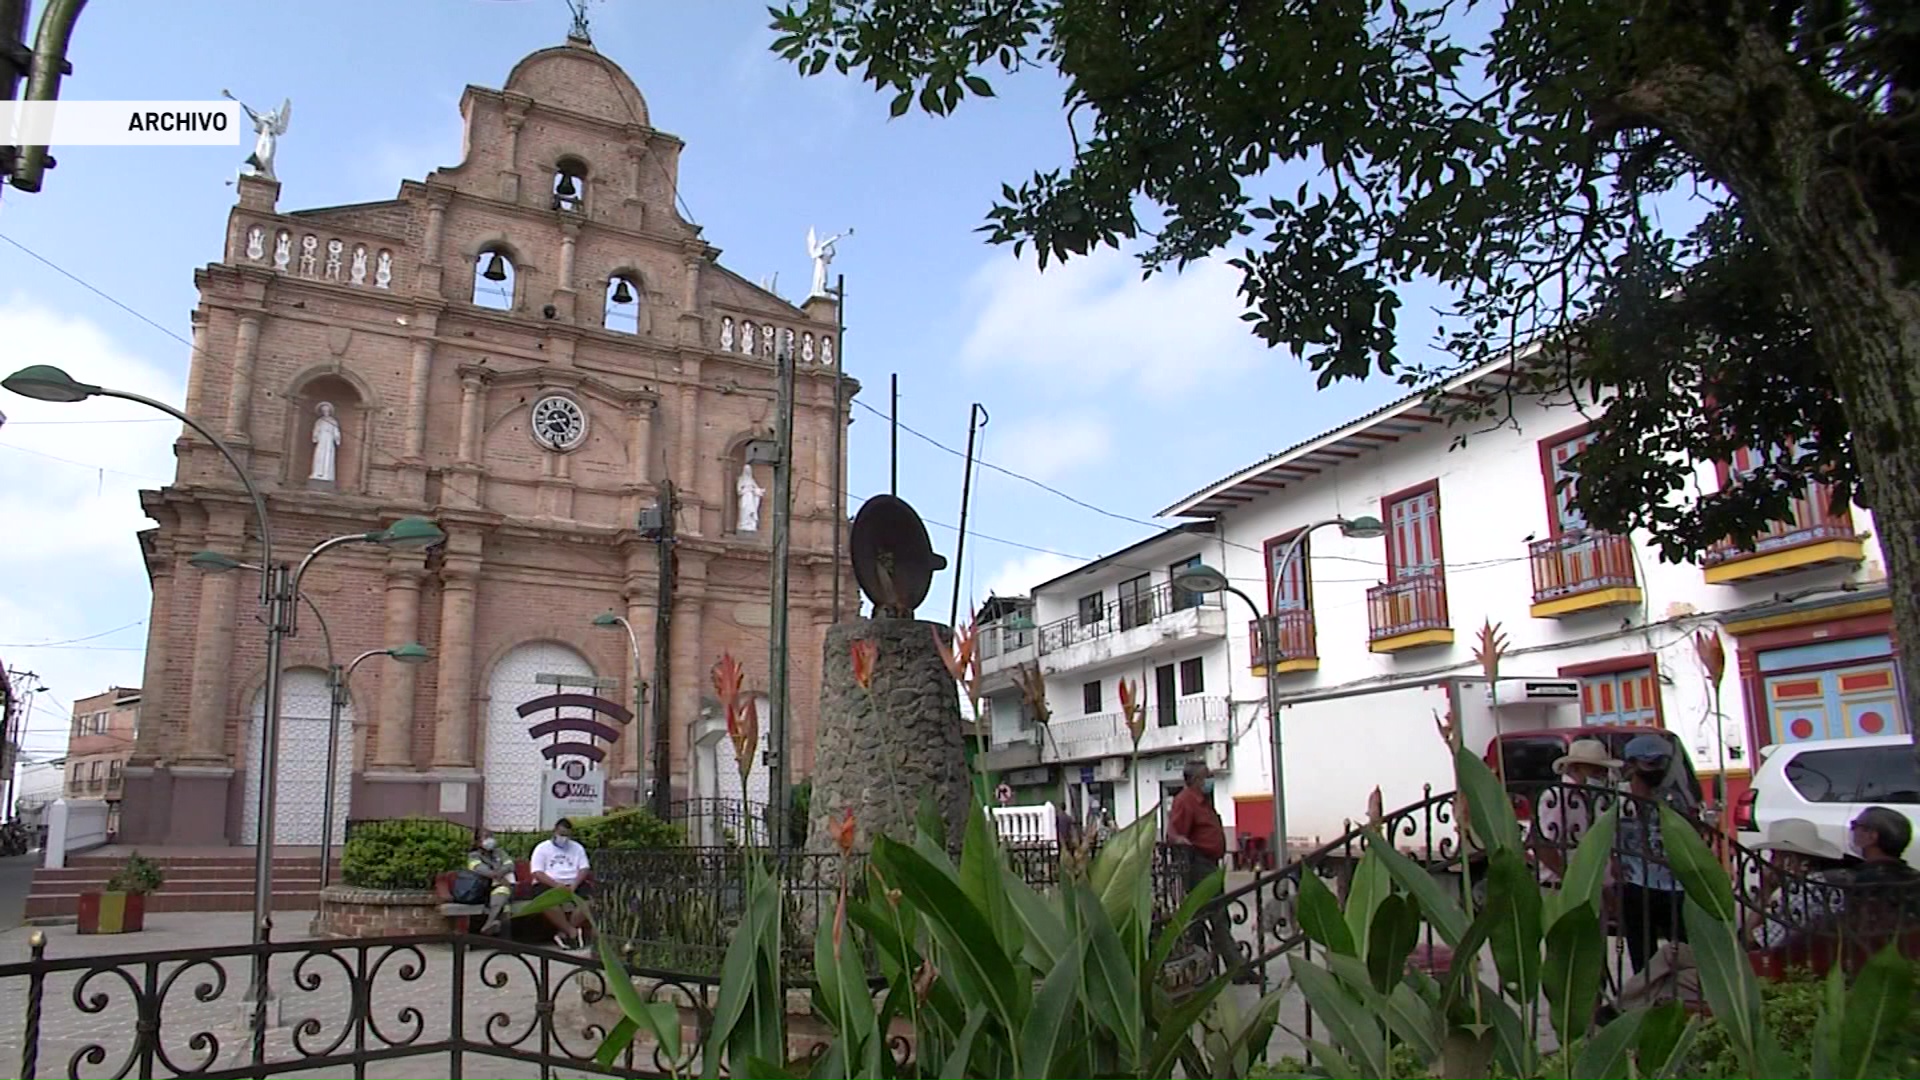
x: 1828, y: 782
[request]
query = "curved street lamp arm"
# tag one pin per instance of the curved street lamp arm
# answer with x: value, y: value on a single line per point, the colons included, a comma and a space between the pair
x: 1279, y: 569
x: 301, y: 570
x: 259, y: 503
x: 326, y: 636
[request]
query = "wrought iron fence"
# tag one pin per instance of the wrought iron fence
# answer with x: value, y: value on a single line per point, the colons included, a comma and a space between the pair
x: 358, y: 1007
x: 1792, y: 914
x: 718, y: 822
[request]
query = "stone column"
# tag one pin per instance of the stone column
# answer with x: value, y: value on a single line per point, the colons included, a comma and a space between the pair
x: 417, y: 383
x: 436, y: 229
x: 640, y: 441
x: 690, y: 663
x: 240, y: 394
x: 153, y: 686
x: 210, y: 702
x: 472, y: 391
x: 197, y: 365
x: 687, y: 430
x: 453, y: 711
x: 569, y: 241
x: 879, y: 753
x: 393, y: 748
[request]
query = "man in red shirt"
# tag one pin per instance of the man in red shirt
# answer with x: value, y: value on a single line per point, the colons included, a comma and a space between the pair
x: 1195, y: 825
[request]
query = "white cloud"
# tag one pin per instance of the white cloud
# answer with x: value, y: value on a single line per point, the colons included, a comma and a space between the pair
x: 1092, y: 322
x: 1017, y: 577
x: 1048, y: 447
x: 70, y: 566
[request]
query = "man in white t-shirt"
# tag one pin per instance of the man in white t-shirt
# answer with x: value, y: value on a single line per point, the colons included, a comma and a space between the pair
x: 561, y: 863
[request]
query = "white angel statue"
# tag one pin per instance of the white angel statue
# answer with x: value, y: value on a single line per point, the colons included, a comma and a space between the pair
x: 267, y: 131
x: 821, y: 252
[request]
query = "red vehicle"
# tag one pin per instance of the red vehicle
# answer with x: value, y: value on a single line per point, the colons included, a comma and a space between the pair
x: 1524, y: 759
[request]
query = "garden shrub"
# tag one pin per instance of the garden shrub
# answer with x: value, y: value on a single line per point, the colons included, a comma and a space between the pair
x: 1791, y: 1008
x: 626, y: 829
x: 407, y: 853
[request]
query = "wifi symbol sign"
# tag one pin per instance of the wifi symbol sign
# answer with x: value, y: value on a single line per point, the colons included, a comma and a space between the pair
x: 563, y: 729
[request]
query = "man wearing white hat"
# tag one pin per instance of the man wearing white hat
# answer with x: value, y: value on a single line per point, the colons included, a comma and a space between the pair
x: 1564, y: 816
x: 1795, y: 889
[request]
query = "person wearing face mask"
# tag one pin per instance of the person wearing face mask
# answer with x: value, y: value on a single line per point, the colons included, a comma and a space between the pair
x: 1562, y: 816
x: 1650, y: 895
x: 560, y: 862
x: 494, y: 873
x: 1194, y: 825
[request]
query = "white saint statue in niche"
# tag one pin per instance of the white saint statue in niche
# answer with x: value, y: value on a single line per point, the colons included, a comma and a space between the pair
x: 750, y: 493
x: 326, y: 443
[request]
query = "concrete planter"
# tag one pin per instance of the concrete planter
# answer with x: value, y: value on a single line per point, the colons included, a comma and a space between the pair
x: 112, y: 913
x: 349, y: 912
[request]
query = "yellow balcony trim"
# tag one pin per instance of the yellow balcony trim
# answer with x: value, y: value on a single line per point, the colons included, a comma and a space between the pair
x: 1586, y: 601
x: 1284, y: 667
x: 1753, y: 566
x: 1414, y: 640
x: 1854, y: 610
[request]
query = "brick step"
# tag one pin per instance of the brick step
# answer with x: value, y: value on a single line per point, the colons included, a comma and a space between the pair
x: 54, y: 905
x: 196, y: 860
x: 310, y: 885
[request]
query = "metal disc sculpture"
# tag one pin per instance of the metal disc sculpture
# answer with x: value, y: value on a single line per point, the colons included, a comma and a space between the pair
x: 893, y: 560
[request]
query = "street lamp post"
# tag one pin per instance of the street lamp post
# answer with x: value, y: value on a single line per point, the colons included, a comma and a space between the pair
x: 607, y: 620
x: 1201, y: 579
x: 279, y: 584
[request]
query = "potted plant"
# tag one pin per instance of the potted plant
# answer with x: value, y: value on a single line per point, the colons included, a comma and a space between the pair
x: 121, y: 908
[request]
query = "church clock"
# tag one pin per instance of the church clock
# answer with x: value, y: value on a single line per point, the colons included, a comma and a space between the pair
x: 559, y: 423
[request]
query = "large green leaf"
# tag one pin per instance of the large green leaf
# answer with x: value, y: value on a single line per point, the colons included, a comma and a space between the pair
x: 1111, y: 986
x: 1573, y: 972
x: 962, y: 1052
x: 1439, y: 909
x: 1693, y: 863
x: 1122, y: 866
x: 983, y: 875
x: 1174, y: 1027
x: 967, y: 942
x: 1586, y: 868
x: 1394, y: 934
x: 1876, y: 1009
x: 545, y: 902
x: 843, y: 993
x: 1048, y: 1024
x: 661, y: 1019
x: 1489, y: 810
x: 1353, y: 1028
x: 1412, y: 1020
x: 616, y: 1042
x: 1730, y: 987
x: 1513, y: 902
x: 752, y: 1009
x: 1666, y: 1041
x: 1320, y: 917
x: 1604, y: 1057
x: 1197, y: 898
x: 1044, y: 936
x: 1371, y: 885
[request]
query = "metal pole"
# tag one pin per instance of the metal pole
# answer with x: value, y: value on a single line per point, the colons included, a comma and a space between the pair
x: 777, y: 638
x: 839, y: 441
x: 639, y: 706
x: 336, y: 704
x: 662, y: 653
x: 893, y: 450
x: 280, y: 592
x: 976, y: 416
x: 43, y: 82
x: 1270, y: 652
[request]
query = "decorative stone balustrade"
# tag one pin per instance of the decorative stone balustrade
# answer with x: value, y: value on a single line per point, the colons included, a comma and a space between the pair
x: 763, y: 338
x: 319, y: 257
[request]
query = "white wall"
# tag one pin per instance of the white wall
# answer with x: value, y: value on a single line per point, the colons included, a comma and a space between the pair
x: 1492, y: 498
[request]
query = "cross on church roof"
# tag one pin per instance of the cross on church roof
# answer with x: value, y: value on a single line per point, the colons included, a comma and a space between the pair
x: 579, y: 31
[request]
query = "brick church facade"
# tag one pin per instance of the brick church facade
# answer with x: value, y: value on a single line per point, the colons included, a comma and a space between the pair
x: 527, y: 348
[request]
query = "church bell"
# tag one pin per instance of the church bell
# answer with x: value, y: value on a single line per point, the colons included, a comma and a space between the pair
x: 622, y: 294
x: 565, y: 188
x: 496, y: 268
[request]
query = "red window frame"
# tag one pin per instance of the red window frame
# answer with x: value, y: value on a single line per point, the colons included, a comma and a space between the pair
x: 1302, y: 560
x: 1548, y: 445
x: 1396, y: 568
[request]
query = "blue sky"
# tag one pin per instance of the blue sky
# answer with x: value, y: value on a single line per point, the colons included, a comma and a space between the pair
x: 1126, y: 394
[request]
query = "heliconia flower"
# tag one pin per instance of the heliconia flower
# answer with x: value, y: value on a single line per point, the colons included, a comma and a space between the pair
x: 959, y: 656
x: 843, y: 831
x: 865, y: 655
x: 840, y: 918
x: 1033, y: 689
x: 727, y: 677
x: 1132, y: 708
x: 745, y: 735
x: 1712, y: 653
x: 924, y: 979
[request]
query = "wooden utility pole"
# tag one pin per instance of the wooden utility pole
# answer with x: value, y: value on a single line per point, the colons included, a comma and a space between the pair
x: 663, y: 535
x: 777, y: 639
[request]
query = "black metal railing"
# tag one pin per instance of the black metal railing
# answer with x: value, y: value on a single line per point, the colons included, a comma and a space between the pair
x: 1129, y: 611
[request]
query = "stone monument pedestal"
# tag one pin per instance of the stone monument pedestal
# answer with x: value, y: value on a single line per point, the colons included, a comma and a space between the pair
x: 882, y: 752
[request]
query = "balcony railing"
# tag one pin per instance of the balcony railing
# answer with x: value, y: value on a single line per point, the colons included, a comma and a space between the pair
x: 1408, y: 606
x: 1131, y: 611
x: 1580, y: 562
x: 996, y: 640
x: 1297, y: 639
x: 1190, y: 721
x: 1812, y: 523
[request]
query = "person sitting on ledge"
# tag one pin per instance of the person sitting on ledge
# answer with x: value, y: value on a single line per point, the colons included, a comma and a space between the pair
x: 561, y: 863
x: 487, y: 863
